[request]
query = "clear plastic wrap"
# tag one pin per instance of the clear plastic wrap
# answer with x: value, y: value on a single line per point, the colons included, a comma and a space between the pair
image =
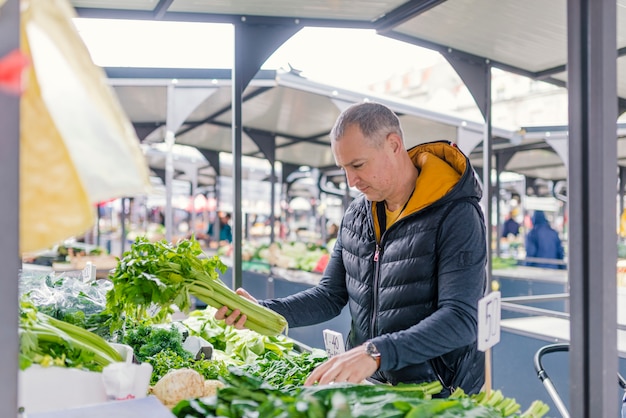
x: 71, y: 295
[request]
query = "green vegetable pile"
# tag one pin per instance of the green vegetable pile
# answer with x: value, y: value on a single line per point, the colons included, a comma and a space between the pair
x: 290, y: 255
x: 163, y: 349
x: 147, y: 341
x: 246, y: 395
x: 235, y: 346
x: 503, y: 263
x: 50, y: 342
x: 285, y: 372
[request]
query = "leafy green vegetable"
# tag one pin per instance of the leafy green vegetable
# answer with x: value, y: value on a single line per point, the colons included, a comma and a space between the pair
x: 167, y: 360
x: 146, y: 341
x: 238, y: 346
x: 159, y: 275
x: 48, y: 341
x: 155, y: 276
x: 503, y: 263
x: 286, y: 372
x: 247, y: 395
x: 69, y: 299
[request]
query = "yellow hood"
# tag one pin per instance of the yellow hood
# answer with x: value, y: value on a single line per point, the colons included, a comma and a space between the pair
x: 440, y: 166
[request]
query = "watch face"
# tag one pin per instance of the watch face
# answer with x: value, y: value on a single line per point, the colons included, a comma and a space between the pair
x: 371, y: 349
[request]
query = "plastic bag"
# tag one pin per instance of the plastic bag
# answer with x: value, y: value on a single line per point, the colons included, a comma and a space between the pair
x: 66, y: 296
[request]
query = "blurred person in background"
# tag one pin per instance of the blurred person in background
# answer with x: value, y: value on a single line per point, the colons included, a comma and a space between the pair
x: 225, y: 231
x: 543, y: 241
x: 510, y: 226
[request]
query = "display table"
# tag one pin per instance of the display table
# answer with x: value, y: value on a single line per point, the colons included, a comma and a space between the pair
x: 145, y: 407
x: 521, y: 337
x: 296, y: 276
x: 533, y: 281
x: 533, y: 274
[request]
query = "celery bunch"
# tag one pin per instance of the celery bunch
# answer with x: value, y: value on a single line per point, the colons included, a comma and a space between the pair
x: 48, y: 341
x: 160, y: 275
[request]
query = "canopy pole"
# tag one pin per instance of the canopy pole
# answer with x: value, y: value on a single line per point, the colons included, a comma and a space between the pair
x: 10, y: 219
x: 592, y: 258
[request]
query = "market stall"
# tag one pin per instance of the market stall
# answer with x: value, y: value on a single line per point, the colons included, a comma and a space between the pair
x: 582, y: 131
x: 199, y: 366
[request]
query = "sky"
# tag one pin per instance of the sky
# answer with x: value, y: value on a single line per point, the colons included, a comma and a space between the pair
x: 349, y: 58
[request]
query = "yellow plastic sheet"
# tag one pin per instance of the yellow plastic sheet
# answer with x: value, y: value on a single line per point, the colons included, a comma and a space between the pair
x: 77, y: 145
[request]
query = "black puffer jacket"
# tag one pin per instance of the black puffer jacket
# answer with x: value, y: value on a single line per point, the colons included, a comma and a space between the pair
x: 414, y: 290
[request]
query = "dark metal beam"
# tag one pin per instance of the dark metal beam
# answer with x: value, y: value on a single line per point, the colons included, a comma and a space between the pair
x: 404, y: 13
x: 266, y: 142
x: 144, y: 129
x: 443, y: 49
x: 543, y: 74
x: 161, y: 8
x: 224, y: 74
x: 254, y: 43
x: 190, y: 126
x: 102, y: 13
x: 514, y: 148
x: 476, y: 75
x: 213, y: 157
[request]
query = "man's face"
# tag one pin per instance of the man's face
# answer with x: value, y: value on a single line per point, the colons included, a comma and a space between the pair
x: 368, y: 167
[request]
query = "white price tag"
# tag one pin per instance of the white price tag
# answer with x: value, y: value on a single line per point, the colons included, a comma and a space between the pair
x: 489, y: 321
x: 333, y: 341
x: 89, y: 272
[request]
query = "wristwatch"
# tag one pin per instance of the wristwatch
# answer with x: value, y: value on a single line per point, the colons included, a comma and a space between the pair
x: 372, y: 351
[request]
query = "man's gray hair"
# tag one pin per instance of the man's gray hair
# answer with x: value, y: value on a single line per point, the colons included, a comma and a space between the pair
x: 374, y: 120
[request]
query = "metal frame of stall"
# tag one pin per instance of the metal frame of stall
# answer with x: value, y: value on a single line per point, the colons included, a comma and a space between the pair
x: 9, y: 219
x: 592, y: 170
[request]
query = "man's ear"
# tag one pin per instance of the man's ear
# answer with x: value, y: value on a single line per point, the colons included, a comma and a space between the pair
x: 395, y: 142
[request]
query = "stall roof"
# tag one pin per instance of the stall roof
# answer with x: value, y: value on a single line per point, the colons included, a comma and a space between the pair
x: 528, y: 37
x: 298, y: 112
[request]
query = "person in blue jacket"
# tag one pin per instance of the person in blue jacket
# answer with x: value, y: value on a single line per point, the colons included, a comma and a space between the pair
x: 543, y: 241
x: 226, y: 233
x: 510, y: 226
x: 409, y: 261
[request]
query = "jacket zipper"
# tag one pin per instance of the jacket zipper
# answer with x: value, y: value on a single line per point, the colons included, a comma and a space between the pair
x: 375, y: 290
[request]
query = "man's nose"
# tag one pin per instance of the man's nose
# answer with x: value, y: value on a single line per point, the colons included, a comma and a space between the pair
x: 351, y: 177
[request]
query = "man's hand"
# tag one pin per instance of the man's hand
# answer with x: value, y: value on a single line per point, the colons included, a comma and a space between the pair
x: 353, y: 366
x: 235, y: 318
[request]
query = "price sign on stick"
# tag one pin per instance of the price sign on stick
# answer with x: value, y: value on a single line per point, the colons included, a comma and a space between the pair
x: 89, y: 272
x: 333, y: 341
x: 489, y: 321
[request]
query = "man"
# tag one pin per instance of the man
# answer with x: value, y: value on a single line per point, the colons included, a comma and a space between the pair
x: 409, y: 261
x: 510, y: 226
x: 225, y: 231
x: 543, y: 242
